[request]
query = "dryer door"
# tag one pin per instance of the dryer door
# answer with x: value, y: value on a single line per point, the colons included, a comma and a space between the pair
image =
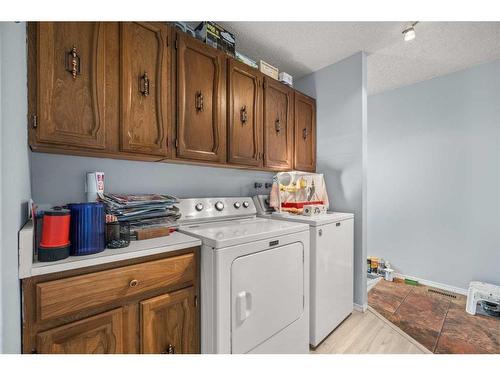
x: 267, y: 294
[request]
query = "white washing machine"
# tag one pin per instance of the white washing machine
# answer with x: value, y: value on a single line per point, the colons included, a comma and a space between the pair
x: 254, y: 285
x: 332, y: 272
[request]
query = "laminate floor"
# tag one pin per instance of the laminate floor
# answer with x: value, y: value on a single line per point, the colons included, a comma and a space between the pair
x: 368, y: 333
x: 437, y: 321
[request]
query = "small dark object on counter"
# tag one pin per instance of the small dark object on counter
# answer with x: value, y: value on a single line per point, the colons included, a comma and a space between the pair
x: 117, y: 235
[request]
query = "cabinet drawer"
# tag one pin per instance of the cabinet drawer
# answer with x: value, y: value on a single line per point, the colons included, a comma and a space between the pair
x: 73, y: 294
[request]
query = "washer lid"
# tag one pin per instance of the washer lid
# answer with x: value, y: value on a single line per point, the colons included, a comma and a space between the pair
x: 329, y: 217
x: 236, y: 232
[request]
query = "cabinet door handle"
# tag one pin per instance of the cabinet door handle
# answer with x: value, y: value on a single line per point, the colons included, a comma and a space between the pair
x: 133, y: 283
x: 243, y: 115
x: 277, y: 125
x: 73, y: 62
x: 304, y: 133
x: 199, y: 101
x: 144, y: 84
x: 170, y: 349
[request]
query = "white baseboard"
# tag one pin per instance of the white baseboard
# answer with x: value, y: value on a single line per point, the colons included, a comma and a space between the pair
x: 434, y: 284
x: 360, y: 308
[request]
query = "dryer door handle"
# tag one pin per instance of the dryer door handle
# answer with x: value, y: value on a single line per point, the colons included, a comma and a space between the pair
x: 243, y: 305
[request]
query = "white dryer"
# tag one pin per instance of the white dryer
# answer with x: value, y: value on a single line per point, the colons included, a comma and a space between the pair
x: 331, y: 273
x: 254, y: 277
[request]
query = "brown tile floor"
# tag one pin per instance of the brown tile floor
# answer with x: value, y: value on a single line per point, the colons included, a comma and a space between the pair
x: 438, y: 322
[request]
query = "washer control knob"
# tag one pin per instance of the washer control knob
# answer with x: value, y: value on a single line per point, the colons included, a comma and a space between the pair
x: 199, y: 207
x: 219, y: 206
x: 246, y: 204
x: 237, y: 205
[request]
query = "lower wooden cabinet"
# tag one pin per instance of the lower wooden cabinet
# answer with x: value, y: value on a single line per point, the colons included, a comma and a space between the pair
x: 167, y: 323
x: 157, y: 312
x: 99, y: 334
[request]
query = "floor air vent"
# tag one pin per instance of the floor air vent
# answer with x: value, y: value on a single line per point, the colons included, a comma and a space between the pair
x: 442, y: 293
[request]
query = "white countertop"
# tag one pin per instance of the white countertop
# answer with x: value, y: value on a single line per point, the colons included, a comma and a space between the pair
x: 29, y: 267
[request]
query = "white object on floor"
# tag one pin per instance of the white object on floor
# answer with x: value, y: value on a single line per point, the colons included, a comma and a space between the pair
x: 388, y: 274
x: 479, y: 291
x: 254, y: 278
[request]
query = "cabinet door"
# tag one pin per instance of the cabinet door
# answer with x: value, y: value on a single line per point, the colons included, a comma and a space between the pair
x: 71, y: 84
x: 168, y: 323
x: 145, y: 69
x: 99, y: 334
x: 244, y: 114
x: 201, y: 121
x: 305, y: 133
x: 278, y: 123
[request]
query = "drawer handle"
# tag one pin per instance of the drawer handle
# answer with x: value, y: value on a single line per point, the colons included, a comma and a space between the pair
x: 144, y: 84
x: 133, y: 283
x: 73, y: 64
x: 170, y: 349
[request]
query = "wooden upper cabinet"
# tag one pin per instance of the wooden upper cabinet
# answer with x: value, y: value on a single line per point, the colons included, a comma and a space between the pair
x: 244, y: 114
x: 201, y: 119
x: 278, y: 125
x: 99, y: 334
x: 168, y: 323
x: 305, y: 133
x: 70, y: 84
x: 145, y: 88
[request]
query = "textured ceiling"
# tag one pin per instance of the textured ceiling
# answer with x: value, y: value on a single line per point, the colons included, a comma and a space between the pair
x: 300, y: 48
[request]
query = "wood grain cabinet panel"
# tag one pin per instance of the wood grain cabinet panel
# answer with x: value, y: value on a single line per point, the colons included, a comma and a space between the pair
x: 201, y: 121
x: 99, y: 334
x: 69, y: 295
x: 168, y: 323
x: 305, y: 133
x: 278, y: 125
x: 71, y: 84
x: 244, y: 114
x: 145, y: 88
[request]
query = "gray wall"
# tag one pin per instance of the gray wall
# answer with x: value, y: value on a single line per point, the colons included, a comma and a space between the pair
x: 61, y: 179
x: 434, y: 172
x: 340, y: 90
x: 15, y: 190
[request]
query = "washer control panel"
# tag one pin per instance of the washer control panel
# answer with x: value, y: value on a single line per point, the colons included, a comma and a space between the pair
x: 205, y: 209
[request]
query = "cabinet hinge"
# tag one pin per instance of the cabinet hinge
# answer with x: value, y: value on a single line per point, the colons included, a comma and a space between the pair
x: 176, y: 43
x: 195, y: 301
x: 176, y: 143
x: 34, y: 122
x: 263, y: 156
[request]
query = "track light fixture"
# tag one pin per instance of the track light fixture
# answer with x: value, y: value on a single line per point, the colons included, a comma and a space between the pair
x: 409, y: 33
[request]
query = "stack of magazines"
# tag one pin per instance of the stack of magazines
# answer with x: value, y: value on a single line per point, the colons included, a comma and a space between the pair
x: 143, y: 210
